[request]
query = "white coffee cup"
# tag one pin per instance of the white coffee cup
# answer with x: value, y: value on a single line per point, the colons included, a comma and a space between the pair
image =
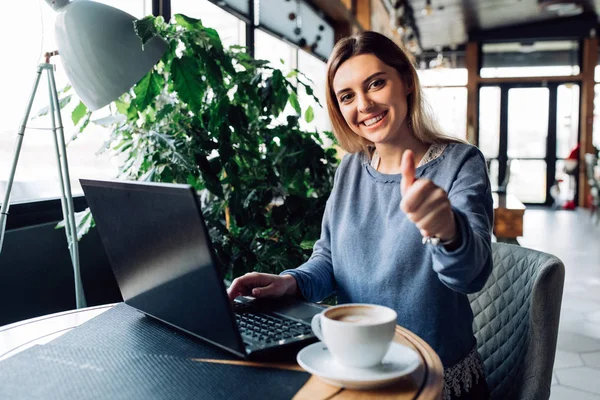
x: 357, y: 335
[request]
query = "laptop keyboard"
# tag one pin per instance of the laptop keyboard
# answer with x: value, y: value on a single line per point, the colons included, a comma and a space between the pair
x: 266, y: 329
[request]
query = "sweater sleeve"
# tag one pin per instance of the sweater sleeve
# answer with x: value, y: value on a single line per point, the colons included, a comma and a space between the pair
x: 467, y: 268
x: 315, y: 277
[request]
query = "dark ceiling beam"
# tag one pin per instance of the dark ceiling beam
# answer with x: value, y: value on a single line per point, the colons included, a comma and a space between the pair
x: 336, y: 11
x: 340, y: 17
x: 563, y: 28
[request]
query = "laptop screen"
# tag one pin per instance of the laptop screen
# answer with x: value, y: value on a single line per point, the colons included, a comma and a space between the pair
x: 161, y: 255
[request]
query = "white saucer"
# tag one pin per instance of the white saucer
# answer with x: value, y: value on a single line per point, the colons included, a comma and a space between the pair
x: 398, y: 362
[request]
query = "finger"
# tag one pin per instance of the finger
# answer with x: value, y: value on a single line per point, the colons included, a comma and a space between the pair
x: 419, y: 192
x: 423, y: 205
x: 407, y: 168
x: 236, y: 289
x: 243, y: 285
x: 436, y: 221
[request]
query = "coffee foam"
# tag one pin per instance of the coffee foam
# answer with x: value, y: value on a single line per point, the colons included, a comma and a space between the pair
x: 357, y: 314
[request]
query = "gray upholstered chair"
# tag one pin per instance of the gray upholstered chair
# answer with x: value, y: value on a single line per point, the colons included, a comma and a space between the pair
x: 516, y: 321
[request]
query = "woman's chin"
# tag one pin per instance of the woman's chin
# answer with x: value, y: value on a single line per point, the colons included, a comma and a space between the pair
x: 377, y: 136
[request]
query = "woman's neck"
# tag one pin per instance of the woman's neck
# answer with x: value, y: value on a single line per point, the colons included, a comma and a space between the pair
x: 390, y: 154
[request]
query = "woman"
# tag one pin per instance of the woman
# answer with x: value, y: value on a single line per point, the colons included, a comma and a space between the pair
x: 413, y: 238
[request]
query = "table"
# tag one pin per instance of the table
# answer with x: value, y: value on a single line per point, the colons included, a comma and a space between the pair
x: 425, y: 383
x: 508, y: 216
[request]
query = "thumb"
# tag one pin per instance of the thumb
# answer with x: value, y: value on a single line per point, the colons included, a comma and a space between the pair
x: 407, y: 168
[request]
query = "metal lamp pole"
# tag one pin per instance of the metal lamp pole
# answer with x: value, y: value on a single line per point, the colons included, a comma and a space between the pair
x: 63, y: 169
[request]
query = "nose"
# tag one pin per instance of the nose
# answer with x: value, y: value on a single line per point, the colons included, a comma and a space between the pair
x: 365, y: 104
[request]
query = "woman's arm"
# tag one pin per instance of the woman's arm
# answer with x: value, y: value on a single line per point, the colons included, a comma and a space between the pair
x: 466, y: 267
x: 315, y: 277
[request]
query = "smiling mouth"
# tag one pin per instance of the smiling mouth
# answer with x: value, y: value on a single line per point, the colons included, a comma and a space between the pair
x: 372, y: 121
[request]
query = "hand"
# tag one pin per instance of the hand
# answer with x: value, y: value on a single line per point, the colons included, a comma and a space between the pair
x: 262, y: 285
x: 425, y: 204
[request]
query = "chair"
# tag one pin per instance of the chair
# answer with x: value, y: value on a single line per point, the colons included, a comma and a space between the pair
x: 516, y: 321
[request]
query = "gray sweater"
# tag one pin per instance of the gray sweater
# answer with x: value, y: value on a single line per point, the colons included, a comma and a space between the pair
x: 370, y: 252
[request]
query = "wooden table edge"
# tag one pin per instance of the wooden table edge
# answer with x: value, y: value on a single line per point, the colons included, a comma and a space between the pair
x: 12, y: 325
x: 433, y: 385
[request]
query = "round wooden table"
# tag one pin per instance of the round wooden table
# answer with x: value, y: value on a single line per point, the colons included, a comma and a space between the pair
x: 425, y: 383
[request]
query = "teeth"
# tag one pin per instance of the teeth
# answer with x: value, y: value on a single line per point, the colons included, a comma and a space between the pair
x: 372, y: 121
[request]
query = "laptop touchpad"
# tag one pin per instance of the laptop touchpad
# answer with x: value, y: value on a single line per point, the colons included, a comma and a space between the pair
x: 290, y: 307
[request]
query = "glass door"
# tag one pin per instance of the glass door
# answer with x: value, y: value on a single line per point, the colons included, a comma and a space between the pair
x: 526, y: 131
x: 526, y: 147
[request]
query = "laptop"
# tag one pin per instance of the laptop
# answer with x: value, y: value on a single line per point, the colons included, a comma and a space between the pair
x: 164, y: 263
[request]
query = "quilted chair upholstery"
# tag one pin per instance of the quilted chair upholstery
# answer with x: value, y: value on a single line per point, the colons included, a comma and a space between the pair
x: 516, y: 321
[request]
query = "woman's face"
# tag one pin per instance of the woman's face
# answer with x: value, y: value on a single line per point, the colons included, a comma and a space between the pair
x: 372, y: 98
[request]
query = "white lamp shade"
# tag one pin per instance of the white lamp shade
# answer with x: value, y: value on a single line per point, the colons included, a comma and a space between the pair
x: 101, y: 53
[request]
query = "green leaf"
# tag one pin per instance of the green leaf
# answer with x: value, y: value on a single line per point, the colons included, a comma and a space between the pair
x: 65, y: 89
x: 78, y: 113
x: 132, y: 112
x: 294, y: 102
x: 62, y: 103
x: 86, y: 121
x: 122, y: 106
x: 292, y: 74
x: 192, y: 24
x: 309, y: 115
x: 145, y: 29
x: 214, y: 38
x: 147, y: 89
x: 83, y: 221
x: 307, y: 244
x: 188, y: 82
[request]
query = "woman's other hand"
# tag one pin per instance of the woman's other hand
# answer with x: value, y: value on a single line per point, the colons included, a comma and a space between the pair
x: 262, y: 285
x: 425, y: 204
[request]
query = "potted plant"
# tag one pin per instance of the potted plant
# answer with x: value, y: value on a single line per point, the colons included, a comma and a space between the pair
x: 207, y: 116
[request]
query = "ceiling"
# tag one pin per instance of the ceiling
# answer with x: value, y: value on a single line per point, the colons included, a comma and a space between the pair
x: 452, y: 22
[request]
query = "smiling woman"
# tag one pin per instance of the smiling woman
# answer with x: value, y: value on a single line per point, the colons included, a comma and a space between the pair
x: 408, y: 222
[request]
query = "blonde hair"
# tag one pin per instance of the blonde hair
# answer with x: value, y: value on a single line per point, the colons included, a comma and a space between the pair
x: 418, y: 118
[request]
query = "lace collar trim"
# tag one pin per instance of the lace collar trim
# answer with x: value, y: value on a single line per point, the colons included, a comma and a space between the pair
x: 435, y: 150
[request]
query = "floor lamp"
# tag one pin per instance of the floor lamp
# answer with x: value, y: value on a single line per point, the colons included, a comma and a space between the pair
x: 103, y: 58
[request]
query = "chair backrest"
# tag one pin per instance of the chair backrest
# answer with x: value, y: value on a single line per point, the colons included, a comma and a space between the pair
x: 516, y: 321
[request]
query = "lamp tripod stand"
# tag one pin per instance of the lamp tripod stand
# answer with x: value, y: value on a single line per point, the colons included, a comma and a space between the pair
x: 63, y: 169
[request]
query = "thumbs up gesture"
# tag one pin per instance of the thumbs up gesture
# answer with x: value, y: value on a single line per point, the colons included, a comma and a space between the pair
x: 425, y: 204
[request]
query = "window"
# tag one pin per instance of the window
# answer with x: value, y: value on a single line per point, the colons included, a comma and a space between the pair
x: 231, y: 29
x: 596, y: 134
x: 446, y: 95
x: 315, y: 70
x: 521, y: 59
x: 448, y: 106
x: 281, y: 55
x: 37, y: 173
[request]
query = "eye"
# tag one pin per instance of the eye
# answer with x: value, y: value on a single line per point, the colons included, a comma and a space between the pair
x: 345, y: 98
x: 376, y: 83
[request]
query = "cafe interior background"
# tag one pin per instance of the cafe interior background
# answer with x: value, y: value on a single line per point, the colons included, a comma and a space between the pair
x: 518, y: 78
